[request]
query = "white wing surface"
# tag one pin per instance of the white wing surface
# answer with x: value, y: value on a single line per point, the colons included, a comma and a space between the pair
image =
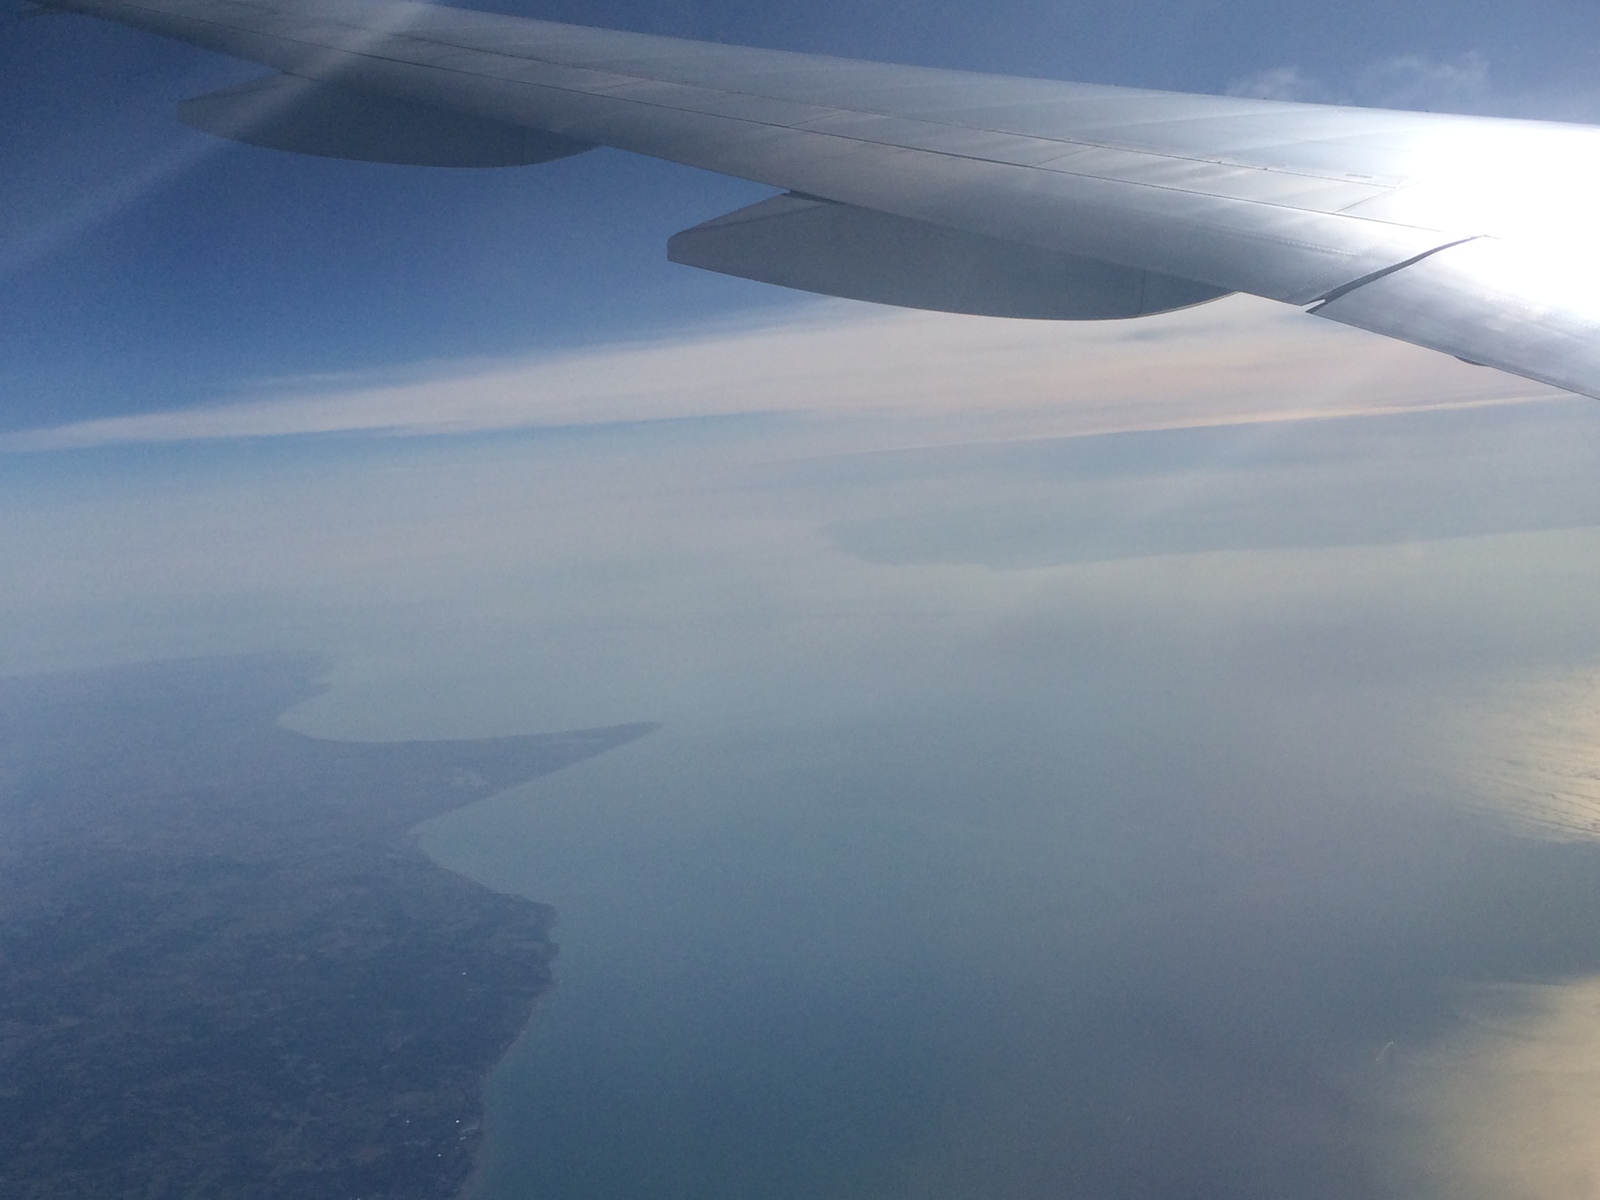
x: 967, y: 192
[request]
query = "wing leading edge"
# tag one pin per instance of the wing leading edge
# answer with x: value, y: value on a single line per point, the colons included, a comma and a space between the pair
x: 973, y: 193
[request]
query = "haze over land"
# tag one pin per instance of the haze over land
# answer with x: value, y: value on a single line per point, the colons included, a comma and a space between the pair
x: 1017, y: 795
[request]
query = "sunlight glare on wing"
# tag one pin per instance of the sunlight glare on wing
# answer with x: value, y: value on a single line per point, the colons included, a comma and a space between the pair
x: 1529, y: 182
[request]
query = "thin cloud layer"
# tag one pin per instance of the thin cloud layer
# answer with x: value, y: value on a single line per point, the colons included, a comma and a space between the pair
x: 940, y: 376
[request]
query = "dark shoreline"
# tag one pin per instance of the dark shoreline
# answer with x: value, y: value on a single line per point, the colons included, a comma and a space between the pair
x: 226, y: 967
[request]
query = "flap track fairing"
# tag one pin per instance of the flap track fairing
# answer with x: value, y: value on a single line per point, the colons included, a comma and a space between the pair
x: 861, y: 254
x: 284, y: 112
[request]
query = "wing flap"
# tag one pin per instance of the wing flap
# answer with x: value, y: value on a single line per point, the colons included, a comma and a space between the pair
x: 283, y: 112
x: 839, y: 250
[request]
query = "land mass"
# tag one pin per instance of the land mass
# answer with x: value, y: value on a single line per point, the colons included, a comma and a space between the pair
x: 225, y: 968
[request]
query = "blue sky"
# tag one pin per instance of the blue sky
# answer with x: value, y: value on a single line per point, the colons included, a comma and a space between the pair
x: 144, y: 266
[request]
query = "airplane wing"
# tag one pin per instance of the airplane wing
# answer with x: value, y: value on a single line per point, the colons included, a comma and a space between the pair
x: 965, y: 192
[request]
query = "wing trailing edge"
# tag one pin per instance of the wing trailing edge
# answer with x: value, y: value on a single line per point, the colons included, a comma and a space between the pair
x: 1529, y: 310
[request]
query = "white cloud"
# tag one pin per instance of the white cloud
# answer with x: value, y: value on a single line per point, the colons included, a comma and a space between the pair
x: 1281, y: 83
x: 1411, y: 81
x: 1416, y: 81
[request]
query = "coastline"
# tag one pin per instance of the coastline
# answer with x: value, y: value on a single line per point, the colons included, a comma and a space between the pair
x: 226, y: 964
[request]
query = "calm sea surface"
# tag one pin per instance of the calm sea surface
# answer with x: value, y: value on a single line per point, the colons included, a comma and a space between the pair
x: 1209, y: 813
x: 1094, y: 939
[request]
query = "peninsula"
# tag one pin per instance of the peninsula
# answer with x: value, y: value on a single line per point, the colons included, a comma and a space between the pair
x: 225, y: 968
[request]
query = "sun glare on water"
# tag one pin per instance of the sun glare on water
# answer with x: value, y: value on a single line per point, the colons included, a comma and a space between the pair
x: 1508, y: 1107
x: 1532, y: 766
